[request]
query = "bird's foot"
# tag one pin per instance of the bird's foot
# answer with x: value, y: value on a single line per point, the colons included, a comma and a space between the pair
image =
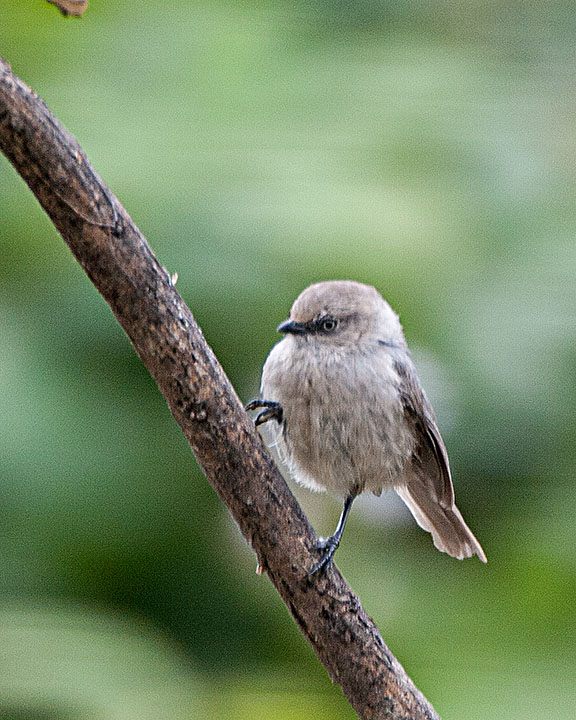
x: 328, y: 546
x: 272, y: 411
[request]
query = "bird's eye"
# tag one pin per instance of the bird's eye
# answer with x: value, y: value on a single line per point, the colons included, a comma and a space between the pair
x: 328, y: 324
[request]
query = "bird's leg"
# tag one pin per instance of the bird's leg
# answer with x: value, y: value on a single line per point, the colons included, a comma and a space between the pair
x: 330, y: 545
x: 273, y: 411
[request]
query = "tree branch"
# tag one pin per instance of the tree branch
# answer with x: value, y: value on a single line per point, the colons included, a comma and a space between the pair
x: 120, y: 263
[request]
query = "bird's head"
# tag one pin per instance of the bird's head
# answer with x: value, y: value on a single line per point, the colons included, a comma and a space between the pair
x: 342, y: 313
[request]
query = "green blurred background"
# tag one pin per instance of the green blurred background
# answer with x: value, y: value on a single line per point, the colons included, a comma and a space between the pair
x: 425, y: 148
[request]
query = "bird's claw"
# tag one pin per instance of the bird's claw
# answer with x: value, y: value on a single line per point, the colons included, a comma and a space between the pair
x: 272, y: 411
x: 328, y: 546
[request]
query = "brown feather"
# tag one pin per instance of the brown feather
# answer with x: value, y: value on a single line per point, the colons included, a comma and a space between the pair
x: 427, y: 486
x: 430, y: 455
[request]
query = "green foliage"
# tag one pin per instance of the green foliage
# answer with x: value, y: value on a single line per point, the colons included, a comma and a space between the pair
x: 421, y: 147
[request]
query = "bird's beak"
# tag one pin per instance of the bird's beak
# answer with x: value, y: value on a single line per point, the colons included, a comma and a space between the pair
x: 292, y: 327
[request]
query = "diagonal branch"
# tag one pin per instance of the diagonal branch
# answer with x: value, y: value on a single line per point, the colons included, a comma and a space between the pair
x: 120, y: 263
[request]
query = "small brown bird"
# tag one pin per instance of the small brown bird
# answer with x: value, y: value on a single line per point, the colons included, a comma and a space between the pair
x: 350, y: 414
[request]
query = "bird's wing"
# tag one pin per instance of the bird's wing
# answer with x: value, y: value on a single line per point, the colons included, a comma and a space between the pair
x: 430, y: 459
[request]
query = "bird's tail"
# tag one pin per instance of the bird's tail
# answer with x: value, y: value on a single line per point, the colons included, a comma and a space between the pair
x: 449, y: 531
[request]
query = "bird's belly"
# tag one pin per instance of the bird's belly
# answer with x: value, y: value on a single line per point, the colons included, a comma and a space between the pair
x: 340, y: 434
x: 346, y: 451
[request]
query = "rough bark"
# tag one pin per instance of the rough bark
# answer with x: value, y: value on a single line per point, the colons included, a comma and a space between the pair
x: 120, y: 263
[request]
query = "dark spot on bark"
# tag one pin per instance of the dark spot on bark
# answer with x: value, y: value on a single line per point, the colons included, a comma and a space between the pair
x: 197, y: 411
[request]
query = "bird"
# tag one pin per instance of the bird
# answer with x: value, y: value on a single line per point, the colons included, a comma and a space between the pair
x: 348, y: 413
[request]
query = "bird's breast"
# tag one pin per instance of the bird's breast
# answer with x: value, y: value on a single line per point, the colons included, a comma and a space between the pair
x: 344, y: 425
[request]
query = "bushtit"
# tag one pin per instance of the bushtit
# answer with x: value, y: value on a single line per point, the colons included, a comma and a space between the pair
x: 350, y: 415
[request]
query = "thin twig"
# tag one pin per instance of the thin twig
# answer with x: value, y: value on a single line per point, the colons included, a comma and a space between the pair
x: 120, y: 263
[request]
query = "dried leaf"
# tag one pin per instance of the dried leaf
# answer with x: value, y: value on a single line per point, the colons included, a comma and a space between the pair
x: 70, y: 7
